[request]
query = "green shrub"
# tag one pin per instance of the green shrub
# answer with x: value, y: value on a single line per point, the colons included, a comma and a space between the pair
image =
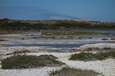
x: 73, y: 72
x: 105, y: 55
x: 18, y: 62
x: 91, y: 56
x: 83, y: 56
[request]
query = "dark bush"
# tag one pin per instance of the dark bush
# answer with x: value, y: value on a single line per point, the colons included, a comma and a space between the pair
x: 74, y: 72
x: 18, y: 62
x: 91, y: 56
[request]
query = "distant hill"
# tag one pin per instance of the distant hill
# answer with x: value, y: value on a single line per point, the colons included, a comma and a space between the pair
x: 32, y: 13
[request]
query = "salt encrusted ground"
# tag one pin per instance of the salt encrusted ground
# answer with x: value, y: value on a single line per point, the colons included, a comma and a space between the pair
x: 98, y: 45
x: 106, y: 67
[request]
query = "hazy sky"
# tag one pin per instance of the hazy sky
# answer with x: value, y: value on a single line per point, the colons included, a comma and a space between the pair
x: 36, y: 9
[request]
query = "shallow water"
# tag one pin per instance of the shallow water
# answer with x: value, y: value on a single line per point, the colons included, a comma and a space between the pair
x: 33, y: 39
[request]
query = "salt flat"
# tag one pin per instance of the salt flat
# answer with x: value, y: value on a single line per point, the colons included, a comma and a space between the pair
x: 106, y: 67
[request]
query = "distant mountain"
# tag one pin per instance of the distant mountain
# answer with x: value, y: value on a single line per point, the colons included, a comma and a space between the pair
x: 54, y: 16
x: 31, y: 13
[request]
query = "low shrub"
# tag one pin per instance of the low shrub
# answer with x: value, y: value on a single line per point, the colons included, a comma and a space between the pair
x: 83, y: 56
x: 91, y: 56
x: 23, y: 61
x: 74, y: 72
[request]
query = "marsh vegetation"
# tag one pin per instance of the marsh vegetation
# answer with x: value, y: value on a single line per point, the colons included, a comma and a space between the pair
x: 21, y: 62
x: 93, y: 56
x: 66, y: 71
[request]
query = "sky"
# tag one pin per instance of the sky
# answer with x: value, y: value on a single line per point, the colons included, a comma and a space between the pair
x: 101, y: 10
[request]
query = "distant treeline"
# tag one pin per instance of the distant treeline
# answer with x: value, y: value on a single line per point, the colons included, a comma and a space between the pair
x: 6, y: 24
